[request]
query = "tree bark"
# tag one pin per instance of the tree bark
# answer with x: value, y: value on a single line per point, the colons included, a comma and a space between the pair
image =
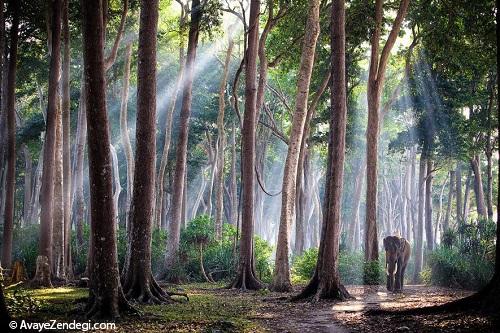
x: 246, y: 277
x: 106, y: 299
x: 446, y: 222
x: 176, y: 218
x: 234, y: 184
x: 458, y: 194
x: 28, y: 177
x: 66, y: 124
x: 281, y: 278
x: 138, y: 281
x: 465, y: 213
x: 419, y: 236
x: 325, y: 283
x: 125, y: 139
x: 356, y: 203
x: 478, y: 187
x: 428, y: 205
x: 376, y: 78
x: 48, y: 177
x: 58, y: 261
x: 489, y: 153
x: 169, y: 120
x: 116, y: 179
x: 221, y: 143
x: 10, y: 158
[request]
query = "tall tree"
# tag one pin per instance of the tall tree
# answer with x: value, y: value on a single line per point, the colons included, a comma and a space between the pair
x: 127, y: 147
x: 246, y: 277
x: 160, y: 206
x: 325, y: 283
x: 138, y: 281
x: 221, y: 141
x: 106, y: 298
x: 42, y: 276
x: 176, y: 217
x: 429, y: 237
x: 10, y: 109
x: 66, y: 125
x: 376, y: 78
x: 281, y: 277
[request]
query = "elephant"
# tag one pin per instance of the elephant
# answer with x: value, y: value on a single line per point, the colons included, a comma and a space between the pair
x: 397, y: 255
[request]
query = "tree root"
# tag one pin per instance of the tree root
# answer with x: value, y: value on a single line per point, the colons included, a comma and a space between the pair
x: 98, y: 308
x: 149, y: 292
x: 316, y: 291
x: 246, y: 280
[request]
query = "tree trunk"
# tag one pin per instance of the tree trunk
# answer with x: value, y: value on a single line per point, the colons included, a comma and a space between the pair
x: 446, y: 222
x: 489, y: 150
x: 246, y: 277
x: 10, y: 180
x: 325, y: 283
x: 356, y: 203
x: 378, y: 64
x: 138, y: 281
x: 66, y: 124
x: 234, y: 184
x: 303, y: 194
x: 116, y: 179
x: 81, y: 139
x: 458, y: 194
x: 465, y: 213
x: 176, y: 217
x: 106, y: 299
x: 58, y: 261
x: 169, y: 119
x: 48, y: 178
x: 28, y: 177
x: 125, y: 139
x: 478, y: 187
x: 281, y: 279
x: 202, y: 268
x: 221, y: 143
x: 419, y: 236
x: 428, y: 205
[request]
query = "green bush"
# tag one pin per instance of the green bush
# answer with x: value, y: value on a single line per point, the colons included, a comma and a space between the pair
x: 352, y: 268
x: 450, y: 267
x: 262, y: 253
x: 466, y: 256
x: 303, y: 266
x: 25, y: 247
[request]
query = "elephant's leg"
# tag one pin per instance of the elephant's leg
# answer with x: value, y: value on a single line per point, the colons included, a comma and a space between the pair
x: 399, y: 277
x: 403, y: 277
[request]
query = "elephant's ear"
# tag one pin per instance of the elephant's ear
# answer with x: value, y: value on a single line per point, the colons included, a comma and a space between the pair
x: 402, y: 243
x: 386, y: 242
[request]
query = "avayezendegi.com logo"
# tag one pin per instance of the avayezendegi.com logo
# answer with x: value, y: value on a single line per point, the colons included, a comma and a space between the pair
x: 55, y: 325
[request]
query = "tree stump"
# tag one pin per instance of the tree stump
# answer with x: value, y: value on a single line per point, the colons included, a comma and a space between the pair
x: 18, y: 273
x: 42, y: 275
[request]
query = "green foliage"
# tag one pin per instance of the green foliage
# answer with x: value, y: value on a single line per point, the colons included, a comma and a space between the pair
x: 262, y: 253
x: 303, y: 266
x: 352, y: 268
x: 219, y: 257
x: 452, y: 268
x: 25, y: 246
x: 466, y: 257
x: 21, y: 302
x: 199, y: 230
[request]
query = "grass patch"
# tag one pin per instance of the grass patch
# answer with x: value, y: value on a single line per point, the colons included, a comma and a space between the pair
x: 210, y: 309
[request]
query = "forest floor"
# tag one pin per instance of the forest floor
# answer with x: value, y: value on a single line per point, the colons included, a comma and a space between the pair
x: 214, y: 309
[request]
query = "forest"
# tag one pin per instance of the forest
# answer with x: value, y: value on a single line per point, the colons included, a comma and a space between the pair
x: 249, y: 165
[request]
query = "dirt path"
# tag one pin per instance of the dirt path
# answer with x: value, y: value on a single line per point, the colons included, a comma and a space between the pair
x: 278, y: 314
